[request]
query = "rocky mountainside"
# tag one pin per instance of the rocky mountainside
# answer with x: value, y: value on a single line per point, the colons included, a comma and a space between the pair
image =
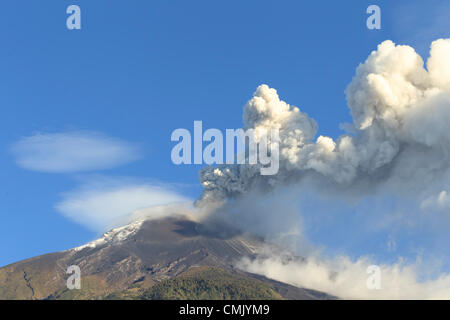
x: 171, y: 258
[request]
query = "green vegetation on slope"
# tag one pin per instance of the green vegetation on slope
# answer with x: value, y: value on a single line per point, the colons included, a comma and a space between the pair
x: 205, y: 283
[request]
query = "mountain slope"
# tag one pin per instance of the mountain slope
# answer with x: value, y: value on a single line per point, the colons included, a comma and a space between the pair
x: 171, y: 258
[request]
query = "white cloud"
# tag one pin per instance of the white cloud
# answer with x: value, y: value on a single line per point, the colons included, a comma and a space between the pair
x: 104, y: 204
x: 72, y: 152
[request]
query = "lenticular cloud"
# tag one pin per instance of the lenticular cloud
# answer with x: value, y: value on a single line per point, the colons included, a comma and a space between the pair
x: 401, y: 112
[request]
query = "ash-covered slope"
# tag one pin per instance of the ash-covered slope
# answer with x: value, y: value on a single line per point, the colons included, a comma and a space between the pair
x: 128, y: 261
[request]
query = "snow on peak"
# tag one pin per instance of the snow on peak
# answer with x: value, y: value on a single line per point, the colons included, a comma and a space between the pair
x: 113, y: 236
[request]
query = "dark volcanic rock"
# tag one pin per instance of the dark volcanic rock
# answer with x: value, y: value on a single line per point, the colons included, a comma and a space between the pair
x: 136, y: 256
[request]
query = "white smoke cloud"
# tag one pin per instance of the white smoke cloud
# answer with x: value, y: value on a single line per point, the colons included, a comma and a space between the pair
x: 397, y: 145
x: 400, y: 116
x: 72, y: 152
x: 347, y: 279
x: 292, y: 258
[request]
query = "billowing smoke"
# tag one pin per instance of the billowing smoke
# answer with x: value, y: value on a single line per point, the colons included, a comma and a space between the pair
x: 397, y: 146
x: 348, y: 279
x: 399, y: 135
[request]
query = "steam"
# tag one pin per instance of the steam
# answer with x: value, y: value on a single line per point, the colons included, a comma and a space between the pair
x: 399, y: 136
x: 397, y: 146
x: 348, y: 279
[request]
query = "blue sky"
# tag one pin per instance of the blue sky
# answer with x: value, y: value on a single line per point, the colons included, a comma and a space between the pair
x: 137, y: 70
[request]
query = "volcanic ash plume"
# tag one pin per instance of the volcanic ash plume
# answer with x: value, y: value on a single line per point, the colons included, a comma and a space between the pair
x: 400, y: 112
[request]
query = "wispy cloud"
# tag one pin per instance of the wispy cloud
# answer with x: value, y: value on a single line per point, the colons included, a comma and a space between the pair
x: 102, y: 203
x: 72, y: 152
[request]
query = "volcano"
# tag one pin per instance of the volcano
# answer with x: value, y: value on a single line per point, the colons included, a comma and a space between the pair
x: 169, y: 258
